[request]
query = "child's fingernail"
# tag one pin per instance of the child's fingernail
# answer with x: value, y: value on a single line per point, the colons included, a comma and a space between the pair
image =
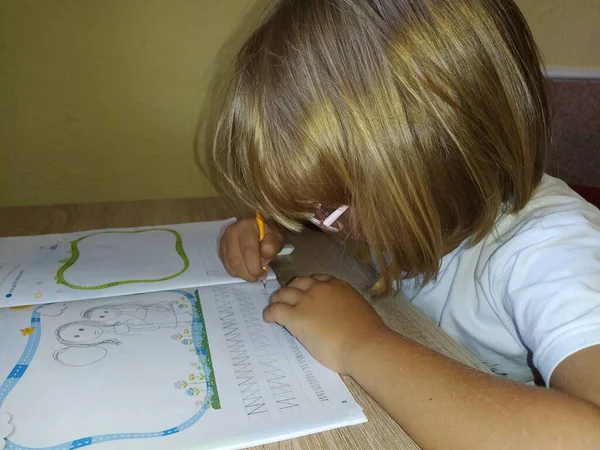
x: 263, y: 262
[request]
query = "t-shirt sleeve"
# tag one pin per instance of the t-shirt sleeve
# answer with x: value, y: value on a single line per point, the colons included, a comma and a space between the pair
x: 552, y: 290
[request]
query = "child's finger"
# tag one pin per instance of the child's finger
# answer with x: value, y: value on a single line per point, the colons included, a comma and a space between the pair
x: 302, y: 283
x: 287, y: 295
x: 322, y: 277
x: 280, y: 313
x: 248, y: 243
x: 224, y: 260
x: 236, y: 261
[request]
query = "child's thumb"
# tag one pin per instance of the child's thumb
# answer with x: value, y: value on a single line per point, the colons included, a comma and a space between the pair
x: 270, y: 246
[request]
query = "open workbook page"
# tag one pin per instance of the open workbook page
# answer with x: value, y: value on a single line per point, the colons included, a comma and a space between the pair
x: 177, y: 369
x: 138, y: 339
x: 102, y: 263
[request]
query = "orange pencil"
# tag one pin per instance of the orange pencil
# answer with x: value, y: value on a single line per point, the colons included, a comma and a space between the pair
x: 261, y: 235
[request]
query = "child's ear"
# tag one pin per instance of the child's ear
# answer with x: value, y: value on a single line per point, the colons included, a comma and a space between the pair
x: 79, y: 356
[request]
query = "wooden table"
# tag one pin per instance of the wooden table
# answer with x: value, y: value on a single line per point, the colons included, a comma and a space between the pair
x: 315, y: 253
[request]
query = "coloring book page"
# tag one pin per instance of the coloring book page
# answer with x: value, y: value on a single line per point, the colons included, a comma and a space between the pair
x: 178, y: 369
x: 101, y: 263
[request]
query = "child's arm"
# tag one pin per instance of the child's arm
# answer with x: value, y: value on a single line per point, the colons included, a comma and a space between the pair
x: 443, y: 404
x: 439, y: 402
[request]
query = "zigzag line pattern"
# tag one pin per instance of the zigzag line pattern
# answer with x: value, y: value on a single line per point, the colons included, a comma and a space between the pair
x: 276, y: 378
x: 244, y: 374
x: 308, y: 373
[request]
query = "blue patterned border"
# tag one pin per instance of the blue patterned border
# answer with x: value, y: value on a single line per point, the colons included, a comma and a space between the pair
x: 198, y: 334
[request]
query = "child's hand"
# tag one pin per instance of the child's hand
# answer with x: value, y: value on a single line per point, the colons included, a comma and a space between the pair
x: 241, y: 253
x: 328, y: 316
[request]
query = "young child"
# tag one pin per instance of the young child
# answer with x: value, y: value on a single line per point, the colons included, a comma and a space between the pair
x: 422, y: 126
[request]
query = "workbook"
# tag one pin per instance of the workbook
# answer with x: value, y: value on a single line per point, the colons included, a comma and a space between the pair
x: 138, y: 339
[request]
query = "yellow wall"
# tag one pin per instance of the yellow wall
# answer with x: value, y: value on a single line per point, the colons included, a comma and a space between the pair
x: 99, y: 100
x: 567, y: 31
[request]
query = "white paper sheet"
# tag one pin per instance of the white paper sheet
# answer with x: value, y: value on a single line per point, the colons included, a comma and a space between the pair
x: 162, y: 370
x: 101, y: 263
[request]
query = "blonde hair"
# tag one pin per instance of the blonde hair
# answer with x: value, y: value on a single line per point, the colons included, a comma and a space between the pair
x: 428, y: 117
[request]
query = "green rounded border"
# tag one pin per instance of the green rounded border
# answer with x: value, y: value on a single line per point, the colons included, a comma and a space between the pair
x: 60, y: 275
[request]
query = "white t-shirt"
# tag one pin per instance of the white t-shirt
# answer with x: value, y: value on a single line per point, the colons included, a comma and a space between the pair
x: 529, y: 294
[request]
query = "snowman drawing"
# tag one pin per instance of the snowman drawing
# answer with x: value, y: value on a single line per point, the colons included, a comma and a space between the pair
x: 85, y: 341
